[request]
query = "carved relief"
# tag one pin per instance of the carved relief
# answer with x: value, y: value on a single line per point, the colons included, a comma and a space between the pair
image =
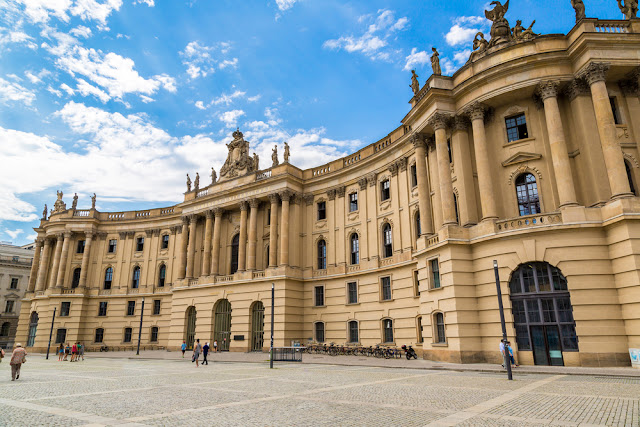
x: 595, y: 72
x: 632, y: 160
x: 362, y: 182
x: 522, y: 169
x: 331, y: 194
x: 238, y: 162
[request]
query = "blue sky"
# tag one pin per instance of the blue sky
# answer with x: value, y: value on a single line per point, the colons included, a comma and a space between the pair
x: 124, y: 97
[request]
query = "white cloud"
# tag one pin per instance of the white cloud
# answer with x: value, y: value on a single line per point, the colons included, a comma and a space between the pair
x: 372, y: 42
x: 416, y: 58
x: 464, y: 29
x: 37, y: 77
x: 16, y: 36
x: 285, y: 4
x: 228, y: 99
x: 67, y: 89
x: 86, y: 89
x: 81, y: 31
x: 200, y: 105
x: 255, y: 98
x: 41, y: 11
x: 448, y: 67
x: 230, y: 118
x: 228, y: 63
x: 462, y: 56
x: 149, y: 3
x: 13, y: 92
x: 200, y: 60
x: 13, y: 233
x: 56, y: 92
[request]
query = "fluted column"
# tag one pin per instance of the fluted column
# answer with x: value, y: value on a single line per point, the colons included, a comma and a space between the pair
x: 44, y: 263
x: 273, y: 231
x: 206, y: 258
x: 253, y: 234
x: 424, y: 195
x: 191, y: 249
x: 63, y: 259
x: 548, y: 91
x: 439, y: 124
x: 483, y: 167
x: 595, y: 74
x: 434, y: 181
x: 35, y: 263
x: 215, y: 252
x: 183, y: 248
x: 284, y: 228
x: 467, y: 204
x: 242, y: 244
x: 84, y: 269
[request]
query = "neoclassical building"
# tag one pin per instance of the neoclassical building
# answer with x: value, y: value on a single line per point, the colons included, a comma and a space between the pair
x: 527, y: 155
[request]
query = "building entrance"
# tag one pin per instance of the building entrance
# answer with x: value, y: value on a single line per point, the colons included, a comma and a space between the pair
x: 191, y: 327
x: 257, y: 326
x: 222, y: 327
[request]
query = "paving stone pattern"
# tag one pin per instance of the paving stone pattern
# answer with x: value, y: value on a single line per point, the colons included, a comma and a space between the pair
x: 121, y: 391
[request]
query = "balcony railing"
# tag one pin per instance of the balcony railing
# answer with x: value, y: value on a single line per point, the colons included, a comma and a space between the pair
x: 613, y: 27
x: 530, y: 221
x: 263, y: 175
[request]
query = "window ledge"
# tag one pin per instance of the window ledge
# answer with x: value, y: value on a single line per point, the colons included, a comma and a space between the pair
x: 519, y: 141
x: 440, y: 344
x: 319, y: 306
x: 386, y: 300
x: 352, y: 303
x: 436, y: 289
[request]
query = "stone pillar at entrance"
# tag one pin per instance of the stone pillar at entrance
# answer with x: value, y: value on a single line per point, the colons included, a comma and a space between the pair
x: 439, y: 123
x: 273, y: 231
x: 35, y: 264
x: 183, y: 248
x: 253, y: 234
x: 62, y: 259
x: 206, y: 258
x: 191, y: 251
x: 215, y: 253
x: 85, y: 259
x: 483, y: 167
x: 284, y: 228
x: 424, y: 195
x: 44, y: 263
x: 242, y: 244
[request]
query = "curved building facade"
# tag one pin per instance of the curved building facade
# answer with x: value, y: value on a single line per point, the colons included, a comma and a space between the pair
x: 527, y: 156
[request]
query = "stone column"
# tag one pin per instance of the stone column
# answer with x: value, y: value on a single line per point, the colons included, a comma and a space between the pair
x: 424, y: 195
x: 183, y: 248
x: 434, y: 188
x: 84, y: 269
x: 191, y: 249
x: 467, y: 204
x: 371, y: 220
x: 483, y: 166
x: 35, y: 264
x: 242, y: 244
x: 253, y: 234
x: 439, y: 124
x: 595, y: 74
x: 206, y: 258
x: 548, y: 91
x: 43, y: 267
x: 284, y: 228
x: 273, y: 231
x: 215, y: 252
x: 63, y: 259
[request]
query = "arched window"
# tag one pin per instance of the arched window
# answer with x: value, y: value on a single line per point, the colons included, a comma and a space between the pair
x: 319, y: 330
x: 154, y: 334
x: 322, y: 255
x: 387, y: 328
x: 99, y: 335
x: 235, y: 244
x: 353, y: 331
x: 108, y: 278
x: 629, y: 170
x: 75, y: 281
x: 387, y: 245
x: 438, y: 321
x: 162, y: 275
x: 135, y: 278
x: 4, y: 329
x: 418, y: 226
x: 527, y: 193
x: 355, y: 249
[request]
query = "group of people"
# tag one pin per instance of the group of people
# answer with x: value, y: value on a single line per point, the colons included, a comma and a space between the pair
x: 199, y: 349
x: 18, y: 357
x: 76, y: 351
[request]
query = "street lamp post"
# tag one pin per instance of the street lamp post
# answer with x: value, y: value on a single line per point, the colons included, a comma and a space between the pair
x: 140, y: 328
x: 51, y: 331
x: 272, y: 313
x: 507, y: 360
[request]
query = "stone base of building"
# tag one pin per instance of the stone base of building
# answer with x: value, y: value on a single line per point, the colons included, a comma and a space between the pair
x: 592, y: 360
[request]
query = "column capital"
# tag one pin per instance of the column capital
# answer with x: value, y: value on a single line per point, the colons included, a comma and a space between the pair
x: 371, y: 179
x: 547, y: 89
x: 89, y: 235
x: 208, y: 214
x: 575, y: 88
x: 59, y: 236
x: 401, y: 164
x: 102, y: 235
x: 295, y: 198
x: 331, y: 194
x: 439, y: 120
x: 68, y: 234
x: 308, y: 199
x: 629, y: 87
x: 341, y: 190
x: 193, y: 218
x: 244, y: 205
x: 254, y: 203
x: 149, y: 232
x: 476, y: 111
x: 175, y: 229
x: 285, y: 195
x: 595, y: 72
x: 273, y: 198
x: 185, y: 220
x: 39, y: 242
x: 362, y: 182
x: 218, y: 212
x: 48, y: 240
x: 417, y: 140
x: 460, y: 123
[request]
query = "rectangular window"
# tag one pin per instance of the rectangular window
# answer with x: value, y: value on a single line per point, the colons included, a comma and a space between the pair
x: 154, y: 334
x: 65, y: 306
x: 522, y: 337
x: 353, y: 202
x: 131, y: 308
x: 319, y: 332
x: 322, y: 211
x: 615, y: 110
x: 8, y: 308
x: 548, y: 311
x: 414, y: 175
x: 127, y: 334
x: 319, y: 296
x: 80, y: 247
x: 353, y: 331
x: 569, y: 337
x: 352, y: 293
x: 112, y: 246
x: 268, y: 216
x: 516, y: 127
x: 449, y: 150
x: 102, y: 308
x: 139, y: 244
x: 385, y: 284
x: 61, y: 336
x: 435, y: 274
x: 533, y: 311
x: 420, y: 339
x: 99, y: 335
x: 565, y: 314
x: 385, y: 190
x: 416, y: 284
x: 14, y: 283
x: 165, y: 242
x: 156, y: 306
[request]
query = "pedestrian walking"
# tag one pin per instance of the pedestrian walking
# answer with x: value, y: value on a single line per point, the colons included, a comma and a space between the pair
x: 74, y: 352
x: 1, y: 355
x: 18, y: 357
x: 183, y: 347
x: 60, y: 352
x: 205, y: 351
x: 81, y: 350
x: 215, y: 346
x: 197, y: 349
x: 513, y: 360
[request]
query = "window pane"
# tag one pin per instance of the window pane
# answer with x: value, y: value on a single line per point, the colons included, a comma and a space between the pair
x: 559, y: 281
x: 353, y: 331
x: 386, y: 288
x: 388, y: 330
x: 353, y: 292
x: 519, y: 315
x: 522, y: 337
x: 569, y: 337
x: 435, y: 273
x: 533, y: 311
x: 565, y: 313
x: 527, y: 279
x: 548, y: 310
x: 319, y: 296
x: 542, y: 274
x: 320, y: 332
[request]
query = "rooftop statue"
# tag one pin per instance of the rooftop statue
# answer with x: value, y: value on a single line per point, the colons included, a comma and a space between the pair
x: 238, y: 162
x: 214, y: 176
x: 196, y: 184
x: 44, y: 212
x: 500, y: 30
x: 256, y: 161
x: 188, y: 183
x: 286, y: 153
x: 93, y: 201
x: 74, y: 204
x: 274, y: 156
x: 629, y: 8
x: 435, y: 62
x: 520, y: 34
x: 59, y: 205
x: 578, y: 6
x: 415, y: 84
x: 480, y: 45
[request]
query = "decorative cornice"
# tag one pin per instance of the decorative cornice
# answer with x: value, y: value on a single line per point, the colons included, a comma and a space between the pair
x: 331, y: 194
x: 393, y: 168
x: 595, y: 72
x: 547, y: 89
x: 575, y: 88
x: 521, y: 157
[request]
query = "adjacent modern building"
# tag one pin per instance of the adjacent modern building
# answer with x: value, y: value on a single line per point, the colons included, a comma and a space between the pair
x: 527, y: 155
x: 15, y: 268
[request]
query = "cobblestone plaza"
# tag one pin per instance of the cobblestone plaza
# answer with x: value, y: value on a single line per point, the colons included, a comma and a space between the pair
x: 120, y: 391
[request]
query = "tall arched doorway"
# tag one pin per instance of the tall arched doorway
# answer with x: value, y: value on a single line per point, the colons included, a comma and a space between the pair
x: 542, y: 313
x: 257, y: 326
x: 191, y: 327
x: 33, y: 327
x: 222, y: 324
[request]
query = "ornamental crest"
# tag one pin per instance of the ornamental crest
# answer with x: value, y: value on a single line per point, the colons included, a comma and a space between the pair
x: 238, y: 163
x: 59, y: 205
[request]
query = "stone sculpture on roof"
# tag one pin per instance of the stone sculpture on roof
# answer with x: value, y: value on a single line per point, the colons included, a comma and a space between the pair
x: 238, y: 162
x: 435, y: 62
x: 578, y: 6
x: 286, y: 153
x: 415, y: 84
x: 93, y: 201
x: 74, y: 204
x: 44, y: 212
x: 59, y: 205
x: 629, y: 8
x: 188, y: 183
x: 274, y: 156
x: 214, y: 176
